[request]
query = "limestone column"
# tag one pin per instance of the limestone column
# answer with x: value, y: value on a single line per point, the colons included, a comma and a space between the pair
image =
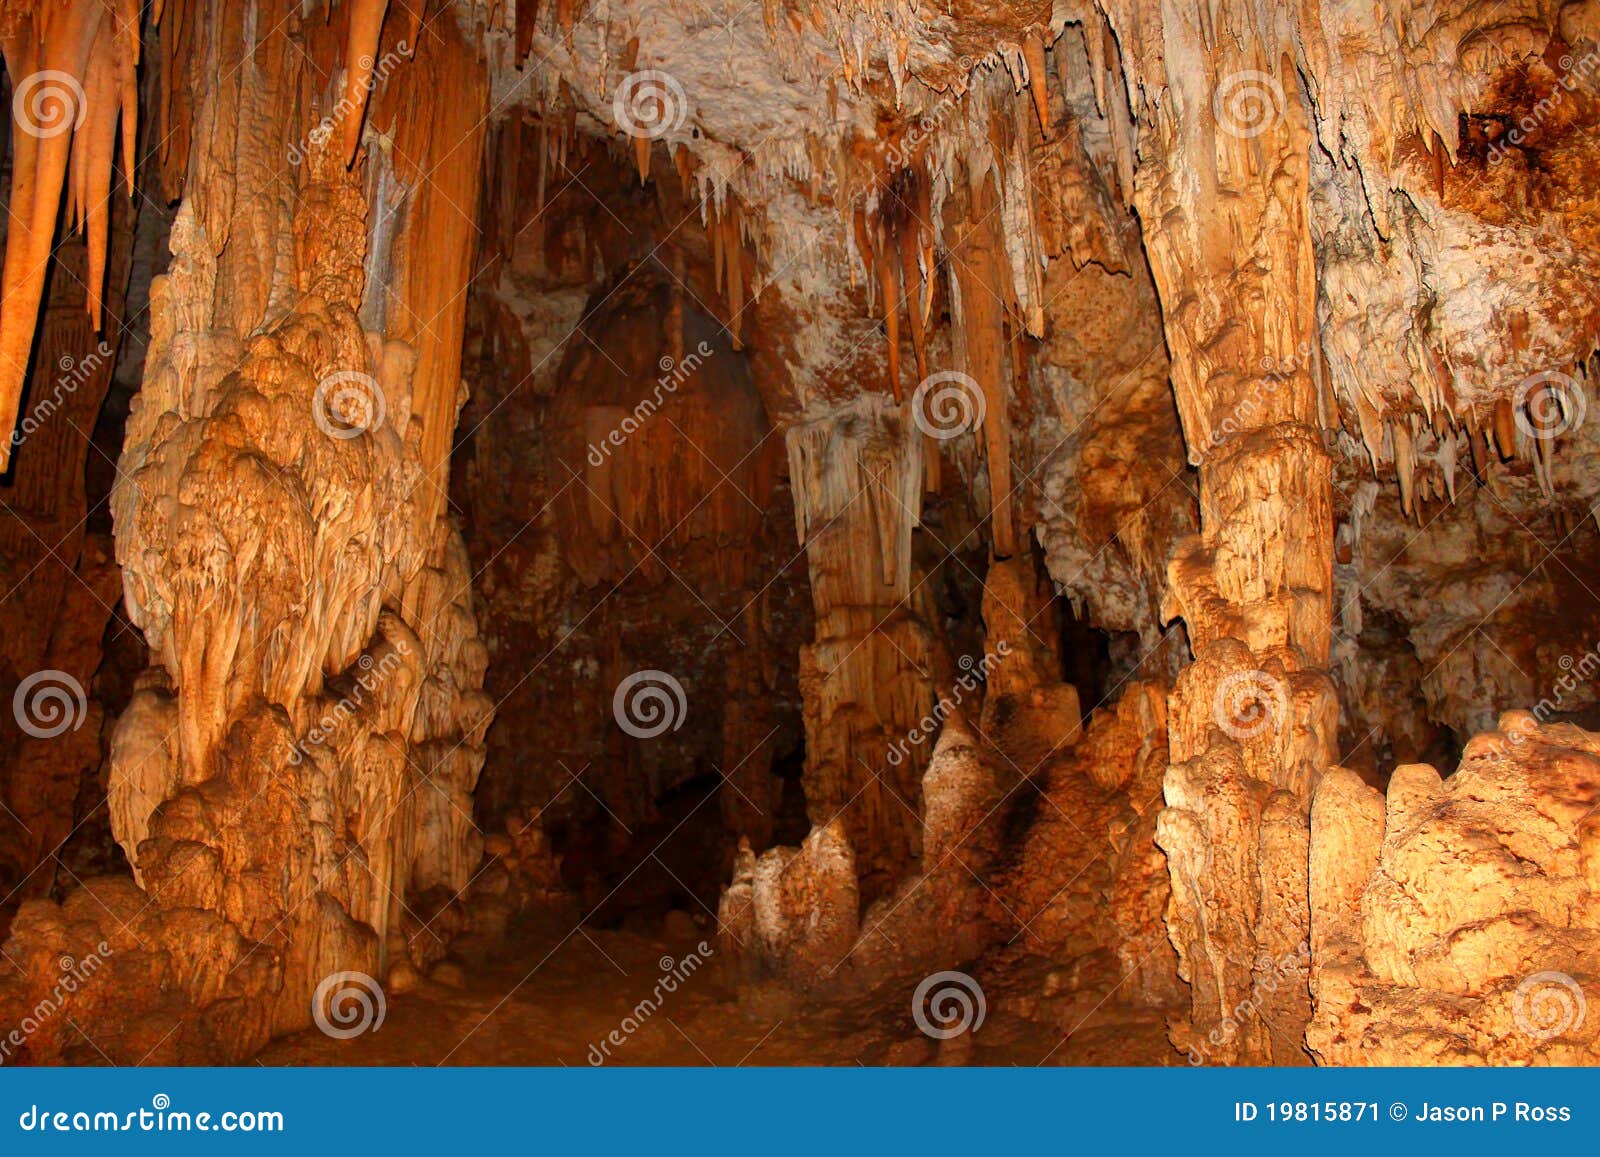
x: 867, y: 680
x: 298, y: 762
x: 1221, y: 192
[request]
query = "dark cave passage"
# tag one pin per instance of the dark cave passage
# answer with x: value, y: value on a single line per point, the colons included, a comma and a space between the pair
x: 676, y: 603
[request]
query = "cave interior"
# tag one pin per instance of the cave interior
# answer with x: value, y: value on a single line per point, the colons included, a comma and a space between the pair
x: 820, y: 531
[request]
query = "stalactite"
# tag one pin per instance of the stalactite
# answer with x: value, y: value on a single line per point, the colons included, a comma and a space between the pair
x: 60, y: 56
x: 431, y: 313
x: 976, y: 267
x: 914, y: 276
x: 360, y: 54
x: 733, y: 258
x: 889, y: 288
x: 174, y: 113
x: 1405, y: 464
x: 1033, y: 53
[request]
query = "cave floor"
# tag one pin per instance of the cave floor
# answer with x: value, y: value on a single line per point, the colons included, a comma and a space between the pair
x: 538, y: 1005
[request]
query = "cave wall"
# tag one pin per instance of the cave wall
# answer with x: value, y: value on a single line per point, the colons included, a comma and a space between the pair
x: 61, y: 582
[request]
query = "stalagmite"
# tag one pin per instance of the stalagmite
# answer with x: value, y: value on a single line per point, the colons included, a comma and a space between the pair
x: 1420, y: 930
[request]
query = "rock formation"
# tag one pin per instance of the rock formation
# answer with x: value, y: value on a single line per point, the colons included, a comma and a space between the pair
x: 1451, y: 919
x: 303, y: 753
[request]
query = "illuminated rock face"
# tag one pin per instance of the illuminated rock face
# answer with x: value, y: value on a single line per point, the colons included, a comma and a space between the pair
x: 302, y: 755
x: 1454, y: 920
x: 1088, y: 486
